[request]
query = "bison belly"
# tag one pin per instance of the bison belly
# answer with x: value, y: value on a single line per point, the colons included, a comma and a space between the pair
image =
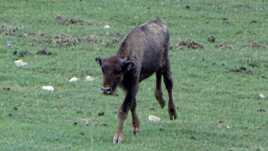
x: 150, y: 64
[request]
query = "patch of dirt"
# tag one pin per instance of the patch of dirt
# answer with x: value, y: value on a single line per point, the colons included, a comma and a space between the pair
x: 8, y: 30
x: 88, y: 39
x: 22, y: 53
x: 113, y: 39
x: 63, y: 20
x: 255, y: 45
x: 112, y: 43
x: 39, y: 37
x: 117, y: 35
x: 62, y: 39
x: 34, y: 34
x: 211, y: 39
x: 242, y: 69
x: 190, y: 44
x: 44, y: 51
x: 65, y: 40
x: 251, y: 62
x: 224, y: 45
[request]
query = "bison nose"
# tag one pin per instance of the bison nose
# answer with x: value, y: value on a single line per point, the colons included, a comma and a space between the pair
x: 106, y: 90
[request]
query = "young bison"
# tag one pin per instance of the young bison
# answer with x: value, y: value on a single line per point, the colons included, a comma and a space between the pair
x: 143, y: 52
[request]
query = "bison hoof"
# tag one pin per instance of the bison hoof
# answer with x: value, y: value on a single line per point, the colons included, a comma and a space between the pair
x: 172, y: 114
x: 162, y: 104
x: 118, y: 138
x: 135, y: 130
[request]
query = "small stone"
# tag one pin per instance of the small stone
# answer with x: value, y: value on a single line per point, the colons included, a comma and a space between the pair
x: 89, y: 78
x: 262, y: 96
x: 8, y: 44
x: 20, y: 63
x: 153, y: 118
x: 48, y: 88
x: 73, y: 79
x: 107, y: 27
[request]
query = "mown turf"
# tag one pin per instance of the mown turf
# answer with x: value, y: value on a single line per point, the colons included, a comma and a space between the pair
x: 216, y: 89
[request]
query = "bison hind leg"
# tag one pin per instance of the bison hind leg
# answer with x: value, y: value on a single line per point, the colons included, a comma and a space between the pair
x: 169, y: 86
x: 158, y: 89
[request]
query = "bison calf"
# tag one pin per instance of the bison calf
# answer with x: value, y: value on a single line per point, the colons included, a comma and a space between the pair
x: 143, y: 52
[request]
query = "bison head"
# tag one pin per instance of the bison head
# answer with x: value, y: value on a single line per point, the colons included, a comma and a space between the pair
x: 113, y: 70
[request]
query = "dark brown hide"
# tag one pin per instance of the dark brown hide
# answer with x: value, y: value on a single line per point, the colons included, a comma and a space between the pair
x: 144, y: 51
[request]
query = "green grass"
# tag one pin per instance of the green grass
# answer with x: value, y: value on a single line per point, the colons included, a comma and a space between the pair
x: 218, y: 109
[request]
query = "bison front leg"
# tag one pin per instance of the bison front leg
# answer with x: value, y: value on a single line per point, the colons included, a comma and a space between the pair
x: 135, y: 119
x: 122, y: 115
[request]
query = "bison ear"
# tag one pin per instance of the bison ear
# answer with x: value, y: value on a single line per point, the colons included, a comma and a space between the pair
x: 98, y: 60
x: 128, y: 65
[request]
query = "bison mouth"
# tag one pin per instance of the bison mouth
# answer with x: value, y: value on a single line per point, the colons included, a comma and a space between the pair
x: 108, y: 91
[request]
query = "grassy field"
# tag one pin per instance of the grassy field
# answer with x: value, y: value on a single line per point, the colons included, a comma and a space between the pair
x: 216, y: 88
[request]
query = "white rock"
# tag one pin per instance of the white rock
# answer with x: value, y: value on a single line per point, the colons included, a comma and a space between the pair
x: 8, y: 44
x: 262, y: 96
x: 107, y: 27
x: 153, y: 118
x: 73, y: 79
x: 20, y: 63
x: 89, y: 78
x: 48, y: 88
